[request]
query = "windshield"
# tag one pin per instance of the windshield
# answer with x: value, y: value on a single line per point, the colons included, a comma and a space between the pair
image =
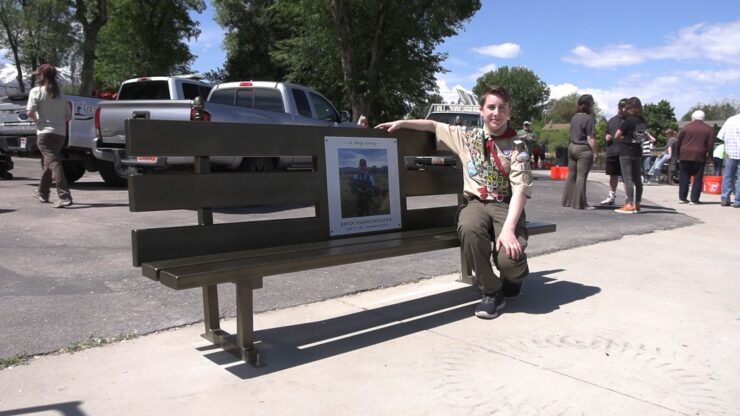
x: 467, y: 120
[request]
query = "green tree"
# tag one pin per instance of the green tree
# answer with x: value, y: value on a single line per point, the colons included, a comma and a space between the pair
x: 376, y: 54
x: 562, y: 109
x: 36, y: 32
x: 721, y: 110
x: 660, y: 117
x: 252, y: 31
x: 146, y: 37
x: 529, y: 93
x: 92, y: 16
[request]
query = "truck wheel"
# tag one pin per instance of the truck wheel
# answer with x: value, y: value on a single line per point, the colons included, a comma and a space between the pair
x: 257, y: 164
x: 114, y: 175
x: 73, y: 170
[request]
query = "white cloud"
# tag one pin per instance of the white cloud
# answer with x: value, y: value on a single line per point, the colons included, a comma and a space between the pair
x: 561, y: 90
x: 482, y: 70
x: 717, y: 42
x: 615, y: 55
x: 503, y: 51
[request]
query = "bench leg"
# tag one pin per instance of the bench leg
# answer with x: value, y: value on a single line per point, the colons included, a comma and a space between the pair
x: 465, y: 270
x: 210, y: 309
x: 245, y: 322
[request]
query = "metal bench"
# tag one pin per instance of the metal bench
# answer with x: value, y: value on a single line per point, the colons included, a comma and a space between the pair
x: 208, y: 254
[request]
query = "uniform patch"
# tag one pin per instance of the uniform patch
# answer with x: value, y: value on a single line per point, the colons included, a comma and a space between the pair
x: 472, y: 170
x: 527, y: 178
x: 506, y: 150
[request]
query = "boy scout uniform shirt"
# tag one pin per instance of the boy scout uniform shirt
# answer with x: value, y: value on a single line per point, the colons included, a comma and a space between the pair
x: 482, y: 178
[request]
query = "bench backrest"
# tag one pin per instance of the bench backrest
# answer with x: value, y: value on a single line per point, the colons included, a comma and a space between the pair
x: 204, y: 191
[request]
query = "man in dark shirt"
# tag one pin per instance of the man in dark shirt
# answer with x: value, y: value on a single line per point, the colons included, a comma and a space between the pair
x: 695, y: 142
x: 612, y: 153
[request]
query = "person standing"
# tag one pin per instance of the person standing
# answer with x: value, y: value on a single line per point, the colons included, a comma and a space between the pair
x: 48, y: 108
x: 718, y: 158
x: 497, y: 181
x: 630, y: 137
x: 693, y: 147
x: 647, y: 152
x: 654, y: 171
x: 581, y: 154
x: 613, y: 168
x: 527, y: 135
x: 730, y: 134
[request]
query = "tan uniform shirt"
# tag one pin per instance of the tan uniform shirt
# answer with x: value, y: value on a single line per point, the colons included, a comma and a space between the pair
x: 481, y: 178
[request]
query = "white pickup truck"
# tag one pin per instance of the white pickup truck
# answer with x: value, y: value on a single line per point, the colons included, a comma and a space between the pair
x: 18, y: 133
x: 259, y: 102
x: 135, y: 99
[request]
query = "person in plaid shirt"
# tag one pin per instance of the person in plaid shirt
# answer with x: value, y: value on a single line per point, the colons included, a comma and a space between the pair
x: 730, y: 133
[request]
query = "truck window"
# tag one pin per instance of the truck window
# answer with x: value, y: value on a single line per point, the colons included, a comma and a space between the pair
x: 267, y: 99
x: 301, y: 102
x: 204, y: 91
x: 190, y: 91
x: 144, y: 90
x: 222, y: 97
x: 324, y: 110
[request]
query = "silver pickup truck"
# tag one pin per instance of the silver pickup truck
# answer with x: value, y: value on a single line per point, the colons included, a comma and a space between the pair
x: 259, y: 102
x: 18, y: 133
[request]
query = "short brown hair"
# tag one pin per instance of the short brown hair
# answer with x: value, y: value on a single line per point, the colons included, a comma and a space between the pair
x: 496, y: 90
x: 634, y: 106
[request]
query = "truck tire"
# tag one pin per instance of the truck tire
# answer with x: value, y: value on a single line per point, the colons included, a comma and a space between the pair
x: 73, y: 170
x: 114, y: 175
x: 258, y: 164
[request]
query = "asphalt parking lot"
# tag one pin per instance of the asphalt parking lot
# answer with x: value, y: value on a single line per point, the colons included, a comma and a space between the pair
x: 66, y: 274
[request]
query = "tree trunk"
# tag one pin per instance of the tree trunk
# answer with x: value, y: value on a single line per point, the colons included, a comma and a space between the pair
x: 90, y: 30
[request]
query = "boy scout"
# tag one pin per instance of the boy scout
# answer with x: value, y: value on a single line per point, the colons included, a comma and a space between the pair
x: 496, y: 182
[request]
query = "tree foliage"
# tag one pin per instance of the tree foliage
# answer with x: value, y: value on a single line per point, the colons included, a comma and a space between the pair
x: 528, y: 92
x: 660, y: 117
x: 92, y: 15
x: 376, y: 54
x: 721, y: 110
x: 146, y: 37
x: 561, y: 110
x: 253, y: 27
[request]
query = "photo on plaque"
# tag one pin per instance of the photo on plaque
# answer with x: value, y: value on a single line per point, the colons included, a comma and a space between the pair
x: 362, y: 178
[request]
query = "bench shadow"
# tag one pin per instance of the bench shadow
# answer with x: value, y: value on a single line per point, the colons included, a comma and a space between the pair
x: 66, y: 409
x: 82, y: 205
x: 5, y: 211
x: 294, y: 345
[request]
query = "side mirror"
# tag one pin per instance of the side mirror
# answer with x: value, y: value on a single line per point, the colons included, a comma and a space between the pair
x: 344, y: 116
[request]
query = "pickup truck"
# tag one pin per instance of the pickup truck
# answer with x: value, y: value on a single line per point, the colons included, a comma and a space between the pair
x: 135, y: 98
x: 18, y: 133
x: 261, y: 102
x: 466, y: 115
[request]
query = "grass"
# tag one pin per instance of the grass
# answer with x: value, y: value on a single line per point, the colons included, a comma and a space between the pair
x: 91, y: 342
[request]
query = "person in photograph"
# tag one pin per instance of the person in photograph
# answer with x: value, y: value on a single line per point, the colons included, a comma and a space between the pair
x: 364, y: 189
x: 497, y: 181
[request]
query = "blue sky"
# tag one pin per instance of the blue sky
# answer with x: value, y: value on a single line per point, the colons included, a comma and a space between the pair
x: 685, y: 52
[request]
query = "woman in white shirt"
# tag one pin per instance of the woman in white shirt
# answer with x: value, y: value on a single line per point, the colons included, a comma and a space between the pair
x: 48, y: 108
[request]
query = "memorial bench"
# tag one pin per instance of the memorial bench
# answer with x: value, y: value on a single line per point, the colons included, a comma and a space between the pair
x: 208, y: 254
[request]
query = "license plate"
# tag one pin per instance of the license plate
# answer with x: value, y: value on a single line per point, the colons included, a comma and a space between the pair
x: 146, y: 159
x: 23, y: 142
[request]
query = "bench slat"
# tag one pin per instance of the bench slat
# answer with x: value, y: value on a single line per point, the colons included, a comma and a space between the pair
x: 447, y: 180
x: 181, y: 241
x: 271, y: 264
x: 215, y: 190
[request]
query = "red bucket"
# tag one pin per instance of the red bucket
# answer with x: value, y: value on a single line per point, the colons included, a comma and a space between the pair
x: 712, y: 185
x: 563, y: 171
x: 554, y: 173
x: 559, y: 173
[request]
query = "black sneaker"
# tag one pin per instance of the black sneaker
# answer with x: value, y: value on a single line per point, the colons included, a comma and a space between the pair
x: 490, y: 306
x: 511, y: 289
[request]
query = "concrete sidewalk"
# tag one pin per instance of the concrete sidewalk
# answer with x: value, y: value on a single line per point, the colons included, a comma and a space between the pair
x: 644, y: 325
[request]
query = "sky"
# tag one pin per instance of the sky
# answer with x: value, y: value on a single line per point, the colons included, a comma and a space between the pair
x: 686, y: 52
